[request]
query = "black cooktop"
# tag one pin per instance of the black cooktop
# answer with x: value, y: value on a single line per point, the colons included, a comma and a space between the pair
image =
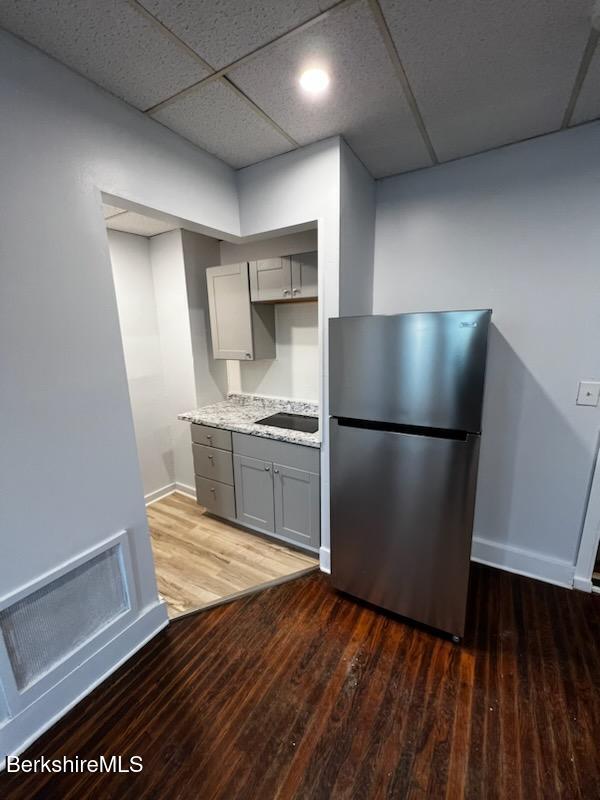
x: 293, y: 422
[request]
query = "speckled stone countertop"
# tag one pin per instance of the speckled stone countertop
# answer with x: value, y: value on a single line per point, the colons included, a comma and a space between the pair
x: 240, y: 412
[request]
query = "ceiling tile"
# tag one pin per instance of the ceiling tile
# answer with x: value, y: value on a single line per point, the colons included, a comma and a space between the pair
x: 221, y: 32
x: 488, y: 73
x: 217, y: 119
x: 111, y: 211
x: 109, y: 42
x: 588, y: 102
x: 130, y: 222
x: 364, y: 102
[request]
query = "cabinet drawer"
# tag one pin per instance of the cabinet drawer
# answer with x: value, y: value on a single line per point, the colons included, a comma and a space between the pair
x: 292, y: 455
x: 213, y: 464
x: 213, y: 437
x: 218, y: 498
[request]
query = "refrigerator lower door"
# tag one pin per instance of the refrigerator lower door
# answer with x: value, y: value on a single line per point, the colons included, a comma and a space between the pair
x: 401, y: 521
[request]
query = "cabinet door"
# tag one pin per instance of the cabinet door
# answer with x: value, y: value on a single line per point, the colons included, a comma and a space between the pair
x: 304, y: 276
x: 254, y: 492
x: 229, y: 306
x: 296, y: 505
x: 270, y: 279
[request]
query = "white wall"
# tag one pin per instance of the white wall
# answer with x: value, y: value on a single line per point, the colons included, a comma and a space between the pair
x: 136, y: 301
x: 294, y: 189
x: 294, y: 373
x: 516, y: 230
x: 69, y: 474
x: 169, y: 275
x: 161, y: 293
x: 68, y: 429
x: 200, y: 252
x: 357, y: 235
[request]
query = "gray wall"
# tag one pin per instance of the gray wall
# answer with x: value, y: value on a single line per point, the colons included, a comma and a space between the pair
x: 136, y: 301
x: 69, y: 475
x: 294, y: 372
x: 517, y: 230
x: 357, y: 235
x: 200, y: 252
x: 169, y: 275
x: 294, y: 189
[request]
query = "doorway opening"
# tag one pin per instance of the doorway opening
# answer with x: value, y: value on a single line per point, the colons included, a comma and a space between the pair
x: 159, y: 269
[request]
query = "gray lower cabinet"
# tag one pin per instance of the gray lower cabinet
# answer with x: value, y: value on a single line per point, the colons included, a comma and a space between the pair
x: 254, y: 492
x: 268, y: 485
x: 209, y: 462
x: 216, y: 497
x: 297, y: 505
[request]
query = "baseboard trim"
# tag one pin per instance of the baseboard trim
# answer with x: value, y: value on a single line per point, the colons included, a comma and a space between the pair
x: 154, y: 497
x: 511, y: 559
x: 583, y: 584
x: 183, y: 488
x: 523, y: 562
x: 19, y: 732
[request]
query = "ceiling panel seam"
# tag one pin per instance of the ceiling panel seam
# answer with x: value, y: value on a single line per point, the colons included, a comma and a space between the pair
x: 169, y: 34
x: 586, y: 60
x: 258, y: 109
x: 222, y: 71
x: 403, y: 78
x: 216, y: 75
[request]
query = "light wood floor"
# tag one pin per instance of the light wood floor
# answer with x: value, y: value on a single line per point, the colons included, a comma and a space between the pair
x: 200, y: 560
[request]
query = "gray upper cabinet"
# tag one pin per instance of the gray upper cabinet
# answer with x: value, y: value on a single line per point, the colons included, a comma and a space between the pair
x: 270, y: 280
x: 304, y: 276
x: 278, y: 280
x: 296, y: 505
x: 239, y: 330
x: 254, y: 492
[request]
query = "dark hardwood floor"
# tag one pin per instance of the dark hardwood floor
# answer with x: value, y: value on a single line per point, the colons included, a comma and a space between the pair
x: 299, y: 692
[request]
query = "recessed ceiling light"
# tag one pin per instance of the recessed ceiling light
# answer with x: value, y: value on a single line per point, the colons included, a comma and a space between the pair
x: 314, y: 80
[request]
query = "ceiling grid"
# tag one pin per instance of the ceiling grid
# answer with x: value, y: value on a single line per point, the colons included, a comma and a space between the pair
x: 467, y: 78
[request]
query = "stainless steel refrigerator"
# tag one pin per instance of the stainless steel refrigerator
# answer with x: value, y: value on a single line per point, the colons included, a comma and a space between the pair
x: 406, y: 396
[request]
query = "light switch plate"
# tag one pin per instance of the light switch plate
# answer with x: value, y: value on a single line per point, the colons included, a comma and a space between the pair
x: 589, y: 393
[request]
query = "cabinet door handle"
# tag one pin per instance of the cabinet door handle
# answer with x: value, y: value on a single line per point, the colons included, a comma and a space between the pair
x: 211, y: 457
x: 248, y: 355
x: 296, y: 291
x: 267, y: 468
x: 275, y: 470
x: 285, y: 292
x: 213, y: 490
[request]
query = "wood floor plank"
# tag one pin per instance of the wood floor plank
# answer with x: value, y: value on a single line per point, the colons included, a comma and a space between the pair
x: 301, y: 692
x: 200, y: 559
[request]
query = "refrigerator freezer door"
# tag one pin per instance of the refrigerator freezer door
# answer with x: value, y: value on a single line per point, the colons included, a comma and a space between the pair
x: 401, y: 521
x: 413, y: 369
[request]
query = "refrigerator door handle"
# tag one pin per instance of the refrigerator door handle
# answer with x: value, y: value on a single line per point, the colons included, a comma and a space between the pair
x: 412, y: 430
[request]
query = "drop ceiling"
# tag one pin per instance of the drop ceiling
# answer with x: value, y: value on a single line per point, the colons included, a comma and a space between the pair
x: 120, y: 219
x: 413, y: 82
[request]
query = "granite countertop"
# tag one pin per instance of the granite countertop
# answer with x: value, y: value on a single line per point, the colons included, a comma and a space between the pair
x: 240, y: 412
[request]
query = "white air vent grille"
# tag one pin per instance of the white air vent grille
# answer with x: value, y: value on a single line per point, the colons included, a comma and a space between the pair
x: 44, y: 628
